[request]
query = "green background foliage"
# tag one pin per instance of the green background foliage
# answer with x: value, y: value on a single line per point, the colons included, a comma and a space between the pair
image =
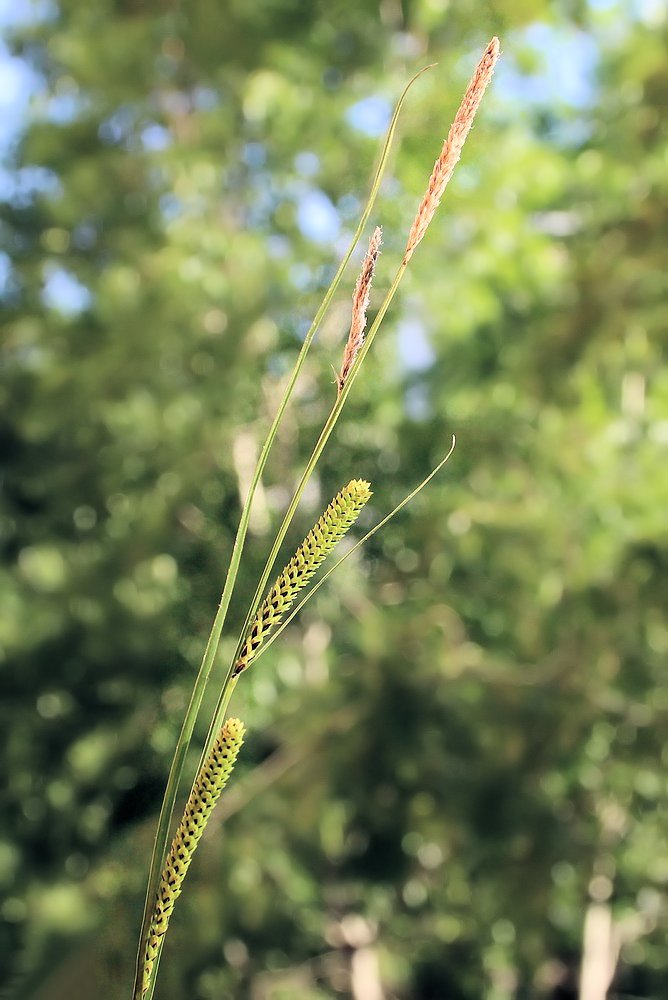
x: 459, y: 748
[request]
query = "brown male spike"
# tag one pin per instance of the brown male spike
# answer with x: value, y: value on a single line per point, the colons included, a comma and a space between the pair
x: 452, y: 147
x: 361, y: 297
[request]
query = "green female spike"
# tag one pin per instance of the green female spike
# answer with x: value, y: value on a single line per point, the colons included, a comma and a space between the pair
x: 211, y: 780
x: 332, y: 526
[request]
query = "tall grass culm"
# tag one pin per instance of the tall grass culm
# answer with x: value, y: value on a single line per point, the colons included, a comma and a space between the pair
x: 266, y: 616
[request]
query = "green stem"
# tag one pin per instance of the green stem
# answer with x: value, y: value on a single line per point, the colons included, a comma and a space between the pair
x: 176, y: 769
x: 306, y: 475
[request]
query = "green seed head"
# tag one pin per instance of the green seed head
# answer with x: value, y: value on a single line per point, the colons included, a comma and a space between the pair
x: 211, y: 780
x: 332, y: 526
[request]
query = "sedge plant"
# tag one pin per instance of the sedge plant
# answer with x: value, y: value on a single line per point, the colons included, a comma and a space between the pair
x: 266, y: 617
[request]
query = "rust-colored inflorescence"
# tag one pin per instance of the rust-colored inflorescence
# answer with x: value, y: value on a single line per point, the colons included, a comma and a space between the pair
x: 452, y: 147
x: 208, y: 786
x: 360, y: 305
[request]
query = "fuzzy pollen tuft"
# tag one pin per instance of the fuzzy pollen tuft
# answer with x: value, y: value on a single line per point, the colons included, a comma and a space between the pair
x: 453, y: 145
x: 361, y: 297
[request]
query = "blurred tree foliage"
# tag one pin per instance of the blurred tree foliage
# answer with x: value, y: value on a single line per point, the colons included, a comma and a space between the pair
x: 459, y: 751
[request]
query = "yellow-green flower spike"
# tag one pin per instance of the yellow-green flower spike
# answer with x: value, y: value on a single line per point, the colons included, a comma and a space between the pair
x: 210, y: 782
x: 332, y: 526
